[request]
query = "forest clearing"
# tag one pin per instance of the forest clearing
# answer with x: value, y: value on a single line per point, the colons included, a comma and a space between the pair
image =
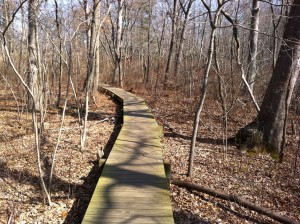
x: 220, y: 77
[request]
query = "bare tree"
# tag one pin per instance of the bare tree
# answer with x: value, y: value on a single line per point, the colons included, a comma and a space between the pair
x: 186, y: 11
x: 35, y: 117
x: 278, y: 95
x: 271, y: 119
x: 214, y: 19
x: 97, y: 48
x: 146, y: 79
x: 275, y: 23
x: 118, y: 73
x: 174, y: 18
x: 91, y: 70
x: 33, y: 64
x: 58, y: 27
x: 253, y: 41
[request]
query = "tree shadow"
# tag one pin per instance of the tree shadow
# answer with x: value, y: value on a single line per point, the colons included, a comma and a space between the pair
x: 92, y: 116
x: 135, y: 170
x: 26, y: 177
x: 84, y: 192
x: 125, y: 175
x: 13, y: 109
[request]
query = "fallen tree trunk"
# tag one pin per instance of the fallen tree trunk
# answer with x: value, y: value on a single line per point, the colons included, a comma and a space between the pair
x: 233, y: 198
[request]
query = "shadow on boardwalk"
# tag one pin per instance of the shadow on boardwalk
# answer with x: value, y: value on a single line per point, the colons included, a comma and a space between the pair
x: 133, y: 186
x: 126, y: 184
x: 121, y: 179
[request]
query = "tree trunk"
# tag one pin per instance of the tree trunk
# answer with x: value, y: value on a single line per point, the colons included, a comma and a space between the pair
x: 58, y: 21
x: 118, y: 46
x: 86, y: 15
x: 253, y: 38
x: 146, y: 79
x: 278, y: 95
x: 6, y: 18
x: 213, y: 23
x: 90, y: 78
x: 159, y: 46
x: 23, y: 39
x: 174, y: 28
x: 182, y: 37
x: 271, y: 119
x: 33, y: 79
x: 275, y: 24
x: 96, y: 48
x: 296, y: 92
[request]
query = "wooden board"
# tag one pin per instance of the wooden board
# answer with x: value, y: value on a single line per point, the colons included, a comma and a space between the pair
x: 133, y: 187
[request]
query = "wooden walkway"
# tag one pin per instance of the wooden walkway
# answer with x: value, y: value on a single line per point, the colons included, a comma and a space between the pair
x: 133, y: 186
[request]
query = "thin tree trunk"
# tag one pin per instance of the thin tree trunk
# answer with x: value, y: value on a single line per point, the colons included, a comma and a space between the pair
x: 96, y: 49
x: 85, y: 8
x: 70, y: 67
x: 159, y: 46
x: 118, y: 73
x: 182, y: 37
x: 91, y: 66
x: 34, y: 122
x: 148, y: 43
x: 239, y: 57
x: 57, y: 20
x: 23, y: 38
x: 274, y: 38
x: 171, y: 47
x: 200, y: 104
x: 223, y: 97
x: 253, y: 39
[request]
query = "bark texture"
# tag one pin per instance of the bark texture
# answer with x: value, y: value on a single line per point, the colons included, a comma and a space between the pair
x: 118, y: 73
x: 253, y: 39
x: 182, y: 36
x: 33, y: 79
x: 271, y: 119
x: 213, y: 22
x: 171, y: 48
x: 94, y: 51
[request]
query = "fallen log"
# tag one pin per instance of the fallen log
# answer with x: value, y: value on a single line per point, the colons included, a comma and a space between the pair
x: 233, y: 198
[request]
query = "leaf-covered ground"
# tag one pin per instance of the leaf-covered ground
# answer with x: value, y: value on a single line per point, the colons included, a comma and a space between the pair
x: 256, y: 177
x: 76, y: 171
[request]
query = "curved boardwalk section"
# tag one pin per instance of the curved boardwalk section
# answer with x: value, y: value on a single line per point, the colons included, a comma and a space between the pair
x: 133, y: 186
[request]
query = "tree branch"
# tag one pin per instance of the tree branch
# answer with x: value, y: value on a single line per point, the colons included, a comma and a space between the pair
x: 13, y: 17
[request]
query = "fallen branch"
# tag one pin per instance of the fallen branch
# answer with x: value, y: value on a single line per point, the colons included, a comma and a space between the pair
x: 233, y: 198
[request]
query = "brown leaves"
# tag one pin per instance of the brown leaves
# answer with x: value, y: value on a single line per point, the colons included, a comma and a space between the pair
x: 20, y: 195
x: 257, y: 177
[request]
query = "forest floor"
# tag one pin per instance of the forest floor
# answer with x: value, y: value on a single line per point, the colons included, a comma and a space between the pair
x: 76, y: 172
x: 256, y: 177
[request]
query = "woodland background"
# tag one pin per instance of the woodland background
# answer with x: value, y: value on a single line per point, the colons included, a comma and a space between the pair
x: 190, y: 59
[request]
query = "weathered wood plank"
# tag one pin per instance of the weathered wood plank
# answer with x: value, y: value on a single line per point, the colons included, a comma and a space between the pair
x: 132, y: 220
x: 122, y: 213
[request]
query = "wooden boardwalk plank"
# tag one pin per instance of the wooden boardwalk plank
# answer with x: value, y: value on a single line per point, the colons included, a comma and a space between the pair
x: 132, y: 187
